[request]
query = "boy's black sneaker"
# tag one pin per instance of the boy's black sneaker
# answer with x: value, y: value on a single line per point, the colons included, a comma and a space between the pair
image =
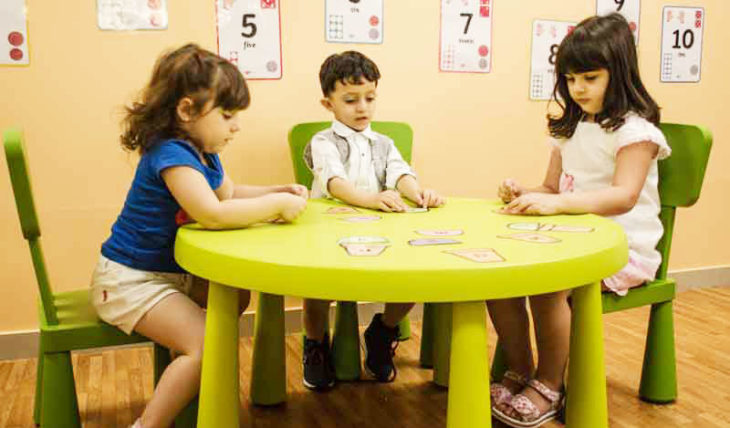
x: 318, y: 370
x: 380, y: 344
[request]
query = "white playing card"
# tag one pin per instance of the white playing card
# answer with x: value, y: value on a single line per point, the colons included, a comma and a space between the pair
x: 342, y: 210
x: 361, y: 218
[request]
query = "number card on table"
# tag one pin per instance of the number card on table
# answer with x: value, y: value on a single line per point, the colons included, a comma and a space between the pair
x: 546, y: 38
x: 14, y: 31
x: 249, y: 35
x: 630, y: 9
x: 682, y: 43
x: 353, y: 21
x: 132, y: 14
x: 466, y: 36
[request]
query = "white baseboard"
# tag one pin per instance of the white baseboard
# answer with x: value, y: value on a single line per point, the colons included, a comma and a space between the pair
x: 24, y: 344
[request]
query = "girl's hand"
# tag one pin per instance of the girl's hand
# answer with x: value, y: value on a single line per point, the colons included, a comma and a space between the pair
x: 388, y: 201
x: 430, y: 199
x: 535, y: 204
x: 509, y: 190
x: 295, y: 189
x: 290, y: 206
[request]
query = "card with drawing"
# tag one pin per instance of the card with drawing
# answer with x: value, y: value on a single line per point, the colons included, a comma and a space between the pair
x: 531, y: 237
x: 440, y: 232
x: 478, y: 255
x: 432, y: 241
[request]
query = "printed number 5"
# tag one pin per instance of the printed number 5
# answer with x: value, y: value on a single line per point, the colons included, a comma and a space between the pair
x: 250, y: 26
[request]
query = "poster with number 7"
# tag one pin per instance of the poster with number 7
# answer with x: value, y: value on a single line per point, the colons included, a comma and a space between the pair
x: 682, y: 29
x: 249, y: 35
x: 466, y: 36
x: 546, y: 38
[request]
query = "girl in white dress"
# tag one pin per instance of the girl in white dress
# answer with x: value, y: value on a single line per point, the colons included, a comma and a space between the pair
x: 605, y: 148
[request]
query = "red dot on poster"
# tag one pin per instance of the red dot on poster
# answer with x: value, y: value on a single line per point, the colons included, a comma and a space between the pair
x: 16, y: 54
x: 698, y: 14
x: 483, y: 50
x: 374, y: 20
x: 632, y: 26
x: 15, y: 38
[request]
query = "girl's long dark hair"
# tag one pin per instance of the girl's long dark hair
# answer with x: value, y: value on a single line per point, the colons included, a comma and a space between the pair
x: 189, y: 71
x: 601, y: 42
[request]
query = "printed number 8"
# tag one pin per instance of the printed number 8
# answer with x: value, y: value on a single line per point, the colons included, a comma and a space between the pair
x: 553, y: 54
x: 249, y: 25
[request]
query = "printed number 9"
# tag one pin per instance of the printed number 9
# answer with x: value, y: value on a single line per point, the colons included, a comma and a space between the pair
x: 620, y: 4
x: 553, y: 54
x: 249, y: 25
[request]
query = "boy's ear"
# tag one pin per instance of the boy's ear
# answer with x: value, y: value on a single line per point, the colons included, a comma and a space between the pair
x: 326, y: 103
x: 184, y: 109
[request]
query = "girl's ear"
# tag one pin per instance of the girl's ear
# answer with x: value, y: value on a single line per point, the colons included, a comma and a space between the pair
x: 326, y: 103
x: 184, y: 109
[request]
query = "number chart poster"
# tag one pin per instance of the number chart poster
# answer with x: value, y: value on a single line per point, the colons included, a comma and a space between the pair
x: 546, y: 38
x: 682, y: 29
x: 466, y: 36
x: 249, y: 35
x: 354, y: 21
x: 123, y: 15
x: 14, y: 33
x: 629, y: 9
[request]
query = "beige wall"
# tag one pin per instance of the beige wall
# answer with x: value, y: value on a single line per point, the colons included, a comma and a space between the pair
x: 470, y: 130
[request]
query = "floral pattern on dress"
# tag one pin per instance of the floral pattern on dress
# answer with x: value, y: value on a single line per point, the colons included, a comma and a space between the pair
x: 566, y: 183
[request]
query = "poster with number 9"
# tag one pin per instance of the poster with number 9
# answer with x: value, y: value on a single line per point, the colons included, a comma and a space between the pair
x: 466, y: 36
x: 629, y: 9
x: 682, y: 29
x: 249, y: 35
x: 546, y: 38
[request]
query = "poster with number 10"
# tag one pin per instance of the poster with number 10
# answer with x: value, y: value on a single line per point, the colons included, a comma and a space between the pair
x: 249, y: 35
x: 546, y: 38
x: 682, y: 43
x: 466, y: 36
x: 629, y: 9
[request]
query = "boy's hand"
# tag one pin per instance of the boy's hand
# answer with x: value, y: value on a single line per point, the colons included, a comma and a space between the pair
x: 290, y: 206
x: 509, y: 190
x: 430, y: 199
x: 535, y: 204
x: 295, y: 189
x: 388, y: 201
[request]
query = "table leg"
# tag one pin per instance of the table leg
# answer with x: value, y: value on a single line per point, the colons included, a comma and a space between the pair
x: 469, y: 368
x: 268, y: 367
x: 219, y: 403
x: 587, y: 405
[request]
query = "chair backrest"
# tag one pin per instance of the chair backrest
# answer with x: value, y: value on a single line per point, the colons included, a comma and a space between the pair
x: 301, y: 134
x: 20, y: 179
x: 680, y: 177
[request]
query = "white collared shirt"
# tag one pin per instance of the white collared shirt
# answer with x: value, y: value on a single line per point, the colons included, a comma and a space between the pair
x: 359, y: 168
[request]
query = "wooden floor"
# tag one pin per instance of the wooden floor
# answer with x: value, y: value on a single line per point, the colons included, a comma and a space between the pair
x: 114, y: 385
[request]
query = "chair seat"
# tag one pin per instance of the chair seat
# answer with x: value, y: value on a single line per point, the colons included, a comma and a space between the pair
x: 79, y: 327
x: 657, y: 291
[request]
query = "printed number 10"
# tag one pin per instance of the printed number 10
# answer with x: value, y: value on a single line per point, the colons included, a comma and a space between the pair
x: 687, y: 42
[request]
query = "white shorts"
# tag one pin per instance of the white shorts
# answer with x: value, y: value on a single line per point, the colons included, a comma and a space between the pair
x: 634, y: 274
x: 122, y: 295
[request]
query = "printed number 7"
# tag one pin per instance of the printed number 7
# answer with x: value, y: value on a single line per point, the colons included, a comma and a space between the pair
x: 468, y: 20
x: 249, y: 25
x: 620, y: 4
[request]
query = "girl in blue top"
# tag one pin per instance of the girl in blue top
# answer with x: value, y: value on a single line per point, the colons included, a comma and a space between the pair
x: 187, y: 114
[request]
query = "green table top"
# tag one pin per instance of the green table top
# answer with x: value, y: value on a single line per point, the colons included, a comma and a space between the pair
x: 304, y: 258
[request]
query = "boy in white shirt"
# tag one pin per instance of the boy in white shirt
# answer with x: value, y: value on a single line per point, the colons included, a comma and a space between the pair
x: 356, y: 165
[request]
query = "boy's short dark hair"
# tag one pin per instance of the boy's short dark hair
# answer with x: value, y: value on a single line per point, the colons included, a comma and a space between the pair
x: 346, y: 67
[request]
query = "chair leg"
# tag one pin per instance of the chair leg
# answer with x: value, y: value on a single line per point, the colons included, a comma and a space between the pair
x: 442, y: 343
x: 499, y: 363
x: 404, y: 329
x: 38, y: 390
x: 346, y: 342
x: 659, y: 374
x: 268, y: 371
x: 427, y: 326
x: 59, y: 406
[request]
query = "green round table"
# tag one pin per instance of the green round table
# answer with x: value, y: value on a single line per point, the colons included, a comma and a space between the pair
x: 304, y: 259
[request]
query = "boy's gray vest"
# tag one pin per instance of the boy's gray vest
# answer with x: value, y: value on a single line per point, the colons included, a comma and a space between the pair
x: 379, y: 149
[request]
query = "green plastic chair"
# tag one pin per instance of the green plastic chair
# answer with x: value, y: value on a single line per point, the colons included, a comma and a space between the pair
x: 680, y: 182
x: 345, y: 344
x: 68, y: 322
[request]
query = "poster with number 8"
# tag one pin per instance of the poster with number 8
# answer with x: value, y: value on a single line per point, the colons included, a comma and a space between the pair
x: 249, y: 35
x: 466, y: 36
x: 546, y: 38
x: 682, y: 43
x: 14, y: 33
x: 629, y: 9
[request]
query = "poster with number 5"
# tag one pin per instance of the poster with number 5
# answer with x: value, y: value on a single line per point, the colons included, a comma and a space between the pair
x: 682, y: 29
x: 249, y: 35
x: 629, y: 9
x: 546, y: 38
x: 466, y: 36
x: 14, y: 33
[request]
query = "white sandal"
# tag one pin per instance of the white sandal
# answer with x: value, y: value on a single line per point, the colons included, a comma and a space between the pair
x: 529, y: 414
x: 500, y: 394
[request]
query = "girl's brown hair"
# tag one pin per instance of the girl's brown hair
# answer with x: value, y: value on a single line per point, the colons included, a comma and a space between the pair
x: 601, y: 42
x: 189, y: 71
